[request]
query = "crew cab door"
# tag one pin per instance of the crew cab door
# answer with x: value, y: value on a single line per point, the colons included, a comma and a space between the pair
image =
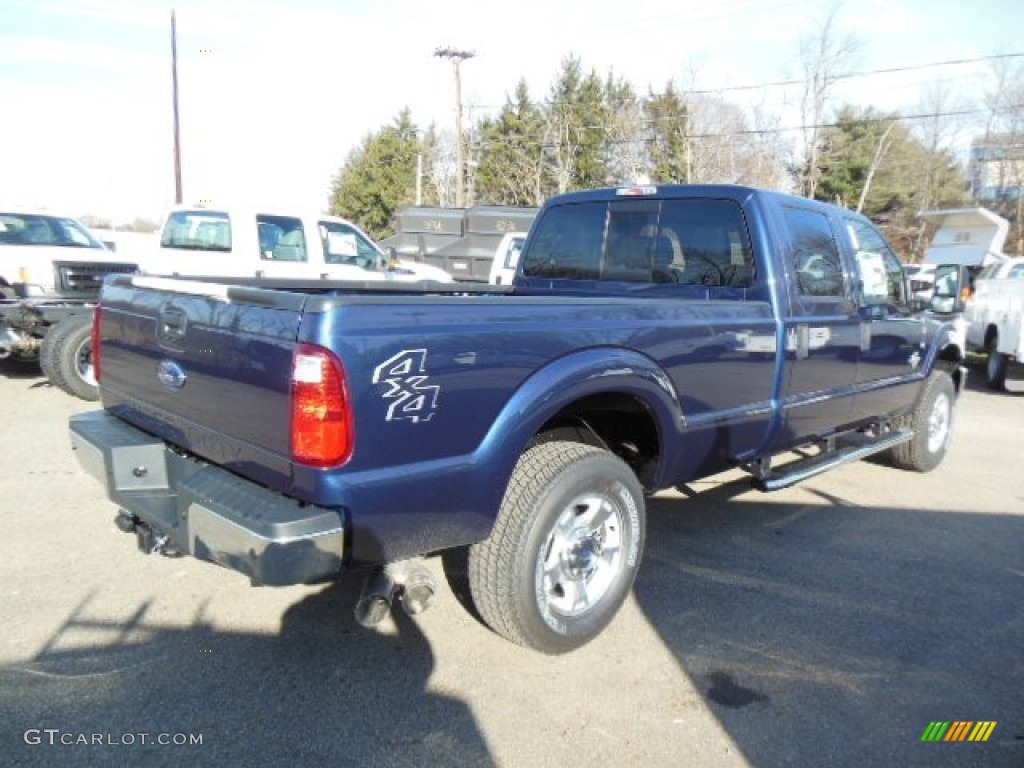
x: 822, y: 329
x: 285, y: 247
x: 892, y: 343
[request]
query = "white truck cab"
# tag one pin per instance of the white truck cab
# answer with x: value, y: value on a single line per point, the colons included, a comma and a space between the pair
x: 43, y: 254
x: 506, y: 258
x: 205, y: 241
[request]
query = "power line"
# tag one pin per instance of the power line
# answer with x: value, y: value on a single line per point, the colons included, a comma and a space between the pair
x: 518, y: 141
x: 847, y: 76
x: 865, y: 73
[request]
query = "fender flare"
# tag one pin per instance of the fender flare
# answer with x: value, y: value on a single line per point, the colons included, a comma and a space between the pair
x: 544, y: 394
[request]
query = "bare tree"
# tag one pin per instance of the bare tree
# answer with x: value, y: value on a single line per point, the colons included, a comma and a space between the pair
x: 1002, y: 148
x: 443, y: 167
x: 940, y: 130
x: 884, y: 143
x: 825, y: 57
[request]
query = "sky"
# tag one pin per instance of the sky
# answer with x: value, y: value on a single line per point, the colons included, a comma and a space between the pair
x: 274, y: 96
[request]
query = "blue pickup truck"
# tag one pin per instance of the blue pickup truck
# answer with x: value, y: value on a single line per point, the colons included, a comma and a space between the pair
x: 297, y: 430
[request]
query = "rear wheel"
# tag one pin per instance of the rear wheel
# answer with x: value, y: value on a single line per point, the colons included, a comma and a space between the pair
x: 996, y: 365
x: 932, y: 421
x: 71, y: 356
x: 564, y: 550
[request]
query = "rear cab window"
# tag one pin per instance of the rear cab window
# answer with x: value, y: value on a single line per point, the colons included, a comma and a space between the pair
x: 197, y: 230
x: 665, y: 243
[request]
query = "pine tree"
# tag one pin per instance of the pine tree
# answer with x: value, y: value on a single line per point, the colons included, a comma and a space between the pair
x: 510, y: 168
x: 667, y: 129
x: 379, y: 177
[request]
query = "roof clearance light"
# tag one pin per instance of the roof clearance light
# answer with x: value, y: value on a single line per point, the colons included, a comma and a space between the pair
x: 636, y: 191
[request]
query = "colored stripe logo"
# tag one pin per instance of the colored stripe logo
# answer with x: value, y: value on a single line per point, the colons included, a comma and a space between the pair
x: 958, y: 730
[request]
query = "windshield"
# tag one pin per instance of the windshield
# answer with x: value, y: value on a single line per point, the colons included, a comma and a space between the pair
x: 197, y: 231
x: 36, y: 229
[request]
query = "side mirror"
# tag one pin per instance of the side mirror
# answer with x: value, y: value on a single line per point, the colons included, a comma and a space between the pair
x: 390, y: 257
x: 952, y: 287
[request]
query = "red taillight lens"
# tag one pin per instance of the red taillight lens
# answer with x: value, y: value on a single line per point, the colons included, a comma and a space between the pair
x: 97, y: 315
x: 322, y: 432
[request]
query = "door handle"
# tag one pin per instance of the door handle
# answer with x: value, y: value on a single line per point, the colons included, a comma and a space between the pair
x: 172, y: 323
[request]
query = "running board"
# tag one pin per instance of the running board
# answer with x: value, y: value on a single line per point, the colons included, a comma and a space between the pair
x: 793, y: 473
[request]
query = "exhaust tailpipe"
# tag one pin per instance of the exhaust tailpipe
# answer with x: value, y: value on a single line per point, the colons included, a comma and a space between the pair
x: 409, y: 581
x: 374, y: 602
x: 418, y: 590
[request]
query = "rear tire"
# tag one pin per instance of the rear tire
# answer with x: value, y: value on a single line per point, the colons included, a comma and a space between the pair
x: 932, y: 421
x: 70, y: 355
x: 564, y: 550
x: 996, y: 365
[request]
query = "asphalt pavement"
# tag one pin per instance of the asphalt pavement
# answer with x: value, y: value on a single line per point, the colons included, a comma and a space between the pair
x: 826, y: 624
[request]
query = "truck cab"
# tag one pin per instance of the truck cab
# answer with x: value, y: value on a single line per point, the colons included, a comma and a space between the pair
x: 202, y: 241
x: 50, y: 266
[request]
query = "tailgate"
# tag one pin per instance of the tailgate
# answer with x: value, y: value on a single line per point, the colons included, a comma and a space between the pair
x: 206, y: 367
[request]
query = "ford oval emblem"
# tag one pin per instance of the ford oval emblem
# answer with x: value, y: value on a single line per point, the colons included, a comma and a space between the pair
x: 171, y: 374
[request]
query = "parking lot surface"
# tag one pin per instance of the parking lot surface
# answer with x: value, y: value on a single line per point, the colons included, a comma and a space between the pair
x: 827, y: 624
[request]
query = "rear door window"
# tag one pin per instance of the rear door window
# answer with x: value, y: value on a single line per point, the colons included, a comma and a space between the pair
x: 281, y: 238
x: 816, y: 261
x: 197, y: 231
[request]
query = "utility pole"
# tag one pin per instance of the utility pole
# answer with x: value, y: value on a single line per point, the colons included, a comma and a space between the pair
x: 177, y: 133
x: 457, y: 57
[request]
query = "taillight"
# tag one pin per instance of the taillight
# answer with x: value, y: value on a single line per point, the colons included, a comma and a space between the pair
x: 322, y: 432
x: 96, y: 316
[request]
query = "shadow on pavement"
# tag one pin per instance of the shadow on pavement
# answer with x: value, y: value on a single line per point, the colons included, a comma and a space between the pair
x: 255, y: 699
x: 828, y: 633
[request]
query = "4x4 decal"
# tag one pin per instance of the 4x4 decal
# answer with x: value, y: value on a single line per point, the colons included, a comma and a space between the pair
x: 405, y: 375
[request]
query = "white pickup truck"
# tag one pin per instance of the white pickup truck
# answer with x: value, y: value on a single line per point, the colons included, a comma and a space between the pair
x: 202, y: 241
x: 195, y: 241
x: 995, y: 318
x: 51, y: 267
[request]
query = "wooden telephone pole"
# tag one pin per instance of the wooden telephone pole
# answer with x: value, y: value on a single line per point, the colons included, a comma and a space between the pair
x: 457, y: 57
x: 177, y: 132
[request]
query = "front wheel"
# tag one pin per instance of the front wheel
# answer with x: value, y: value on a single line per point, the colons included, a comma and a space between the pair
x: 996, y: 365
x: 564, y: 550
x: 70, y: 355
x: 932, y: 422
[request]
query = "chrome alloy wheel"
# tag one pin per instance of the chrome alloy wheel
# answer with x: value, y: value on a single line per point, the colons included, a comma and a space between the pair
x: 940, y: 423
x: 83, y: 362
x: 583, y: 554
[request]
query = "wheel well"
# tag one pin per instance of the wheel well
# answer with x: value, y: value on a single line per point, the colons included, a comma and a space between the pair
x: 949, y: 360
x: 990, y: 336
x: 620, y: 423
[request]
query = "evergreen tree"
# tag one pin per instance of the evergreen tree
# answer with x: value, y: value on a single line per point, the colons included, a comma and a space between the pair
x: 510, y: 169
x: 871, y: 161
x: 379, y: 177
x: 874, y: 155
x: 576, y: 117
x: 624, y: 154
x: 667, y: 129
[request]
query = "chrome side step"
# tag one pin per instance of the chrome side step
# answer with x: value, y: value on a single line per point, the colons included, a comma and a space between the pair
x: 802, y: 469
